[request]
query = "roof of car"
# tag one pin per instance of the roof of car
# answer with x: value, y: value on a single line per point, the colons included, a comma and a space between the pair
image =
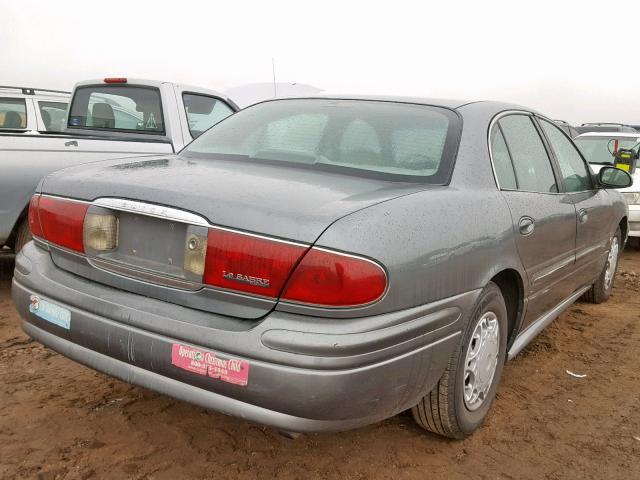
x: 436, y: 102
x: 609, y: 134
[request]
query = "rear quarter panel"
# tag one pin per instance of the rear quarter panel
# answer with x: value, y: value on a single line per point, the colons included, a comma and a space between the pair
x: 434, y: 244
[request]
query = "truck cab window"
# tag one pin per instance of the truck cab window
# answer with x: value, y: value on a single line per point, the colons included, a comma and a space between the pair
x: 203, y: 112
x: 118, y: 108
x: 13, y: 113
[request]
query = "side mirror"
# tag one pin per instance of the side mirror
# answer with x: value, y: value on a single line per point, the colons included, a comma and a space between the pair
x: 612, y: 177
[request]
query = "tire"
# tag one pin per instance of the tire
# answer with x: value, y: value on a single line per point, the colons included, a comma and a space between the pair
x: 601, y: 289
x: 23, y: 236
x: 446, y: 410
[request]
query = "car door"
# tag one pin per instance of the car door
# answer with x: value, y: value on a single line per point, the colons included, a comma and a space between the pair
x: 543, y: 218
x: 592, y: 205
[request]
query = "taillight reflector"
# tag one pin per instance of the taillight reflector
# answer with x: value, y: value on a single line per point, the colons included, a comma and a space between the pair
x: 62, y: 221
x: 34, y: 217
x: 336, y: 280
x: 248, y: 263
x: 115, y: 80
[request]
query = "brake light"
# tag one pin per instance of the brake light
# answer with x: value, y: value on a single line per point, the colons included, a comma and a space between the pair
x: 115, y: 80
x: 61, y: 221
x: 248, y: 263
x: 334, y: 279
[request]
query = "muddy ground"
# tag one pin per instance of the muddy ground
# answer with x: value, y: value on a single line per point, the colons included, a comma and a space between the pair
x: 61, y: 420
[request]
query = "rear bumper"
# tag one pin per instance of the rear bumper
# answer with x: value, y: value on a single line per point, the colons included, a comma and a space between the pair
x: 305, y: 374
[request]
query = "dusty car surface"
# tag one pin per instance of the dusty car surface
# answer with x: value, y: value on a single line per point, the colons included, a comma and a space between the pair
x: 324, y: 263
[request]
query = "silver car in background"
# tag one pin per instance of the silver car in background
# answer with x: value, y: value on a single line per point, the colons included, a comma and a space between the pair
x: 319, y: 264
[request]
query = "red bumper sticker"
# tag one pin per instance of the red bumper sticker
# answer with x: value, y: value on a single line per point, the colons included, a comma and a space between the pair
x: 204, y: 362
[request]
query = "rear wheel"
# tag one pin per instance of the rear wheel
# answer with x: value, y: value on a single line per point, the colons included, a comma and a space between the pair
x: 601, y: 290
x: 460, y: 401
x: 23, y: 235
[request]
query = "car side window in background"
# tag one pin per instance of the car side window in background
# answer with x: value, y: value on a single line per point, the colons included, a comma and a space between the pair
x: 203, y: 112
x: 530, y: 160
x: 13, y: 113
x: 502, y: 161
x: 54, y: 115
x: 575, y: 176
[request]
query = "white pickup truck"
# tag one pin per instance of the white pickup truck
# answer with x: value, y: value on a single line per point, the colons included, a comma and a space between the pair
x: 114, y: 117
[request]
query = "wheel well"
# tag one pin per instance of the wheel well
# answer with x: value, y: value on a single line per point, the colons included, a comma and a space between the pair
x: 510, y: 284
x: 624, y: 227
x: 14, y: 232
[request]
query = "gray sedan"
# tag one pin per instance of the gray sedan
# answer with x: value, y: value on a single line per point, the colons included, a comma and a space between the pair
x: 324, y: 263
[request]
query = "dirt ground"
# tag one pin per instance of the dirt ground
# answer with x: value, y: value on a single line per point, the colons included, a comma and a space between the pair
x: 61, y: 420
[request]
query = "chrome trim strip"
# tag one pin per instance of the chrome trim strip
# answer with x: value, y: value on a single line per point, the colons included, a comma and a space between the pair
x: 554, y: 268
x: 523, y: 339
x: 167, y: 213
x: 151, y: 210
x: 587, y: 251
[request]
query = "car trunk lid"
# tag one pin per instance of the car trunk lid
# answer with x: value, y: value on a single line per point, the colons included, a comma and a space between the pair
x: 163, y: 202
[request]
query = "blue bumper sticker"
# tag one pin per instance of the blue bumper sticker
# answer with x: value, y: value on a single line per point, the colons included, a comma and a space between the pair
x: 50, y: 312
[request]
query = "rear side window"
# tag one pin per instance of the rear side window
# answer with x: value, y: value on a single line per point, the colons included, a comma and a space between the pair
x: 117, y: 108
x: 13, y: 113
x: 530, y: 160
x: 203, y: 112
x: 360, y: 137
x: 502, y: 161
x: 575, y: 176
x: 54, y: 115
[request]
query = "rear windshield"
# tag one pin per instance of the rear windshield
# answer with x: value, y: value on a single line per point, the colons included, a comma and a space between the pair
x: 384, y: 138
x: 599, y: 150
x: 117, y: 108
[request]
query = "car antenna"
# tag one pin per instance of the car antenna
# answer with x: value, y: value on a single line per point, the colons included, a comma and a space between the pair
x: 273, y: 69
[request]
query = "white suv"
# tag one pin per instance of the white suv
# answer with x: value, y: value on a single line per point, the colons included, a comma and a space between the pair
x: 32, y: 109
x: 598, y: 149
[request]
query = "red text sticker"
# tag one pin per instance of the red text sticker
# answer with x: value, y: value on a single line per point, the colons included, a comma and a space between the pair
x: 204, y: 362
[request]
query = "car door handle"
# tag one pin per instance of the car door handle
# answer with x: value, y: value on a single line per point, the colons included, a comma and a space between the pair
x: 583, y: 216
x: 526, y: 225
x: 71, y: 143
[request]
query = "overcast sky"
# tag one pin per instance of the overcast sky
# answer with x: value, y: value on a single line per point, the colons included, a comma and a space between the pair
x: 570, y: 60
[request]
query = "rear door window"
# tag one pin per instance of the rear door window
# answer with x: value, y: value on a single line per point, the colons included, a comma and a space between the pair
x: 530, y: 159
x: 203, y: 112
x: 118, y: 108
x: 502, y: 161
x: 575, y: 175
x: 13, y: 113
x: 54, y: 115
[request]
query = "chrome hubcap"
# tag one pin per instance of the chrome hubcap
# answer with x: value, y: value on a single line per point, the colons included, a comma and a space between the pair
x: 612, y: 261
x: 481, y: 360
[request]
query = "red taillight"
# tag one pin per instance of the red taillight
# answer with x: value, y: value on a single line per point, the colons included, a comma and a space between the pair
x: 34, y: 217
x: 335, y: 280
x: 115, y: 80
x: 61, y: 221
x: 249, y: 264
